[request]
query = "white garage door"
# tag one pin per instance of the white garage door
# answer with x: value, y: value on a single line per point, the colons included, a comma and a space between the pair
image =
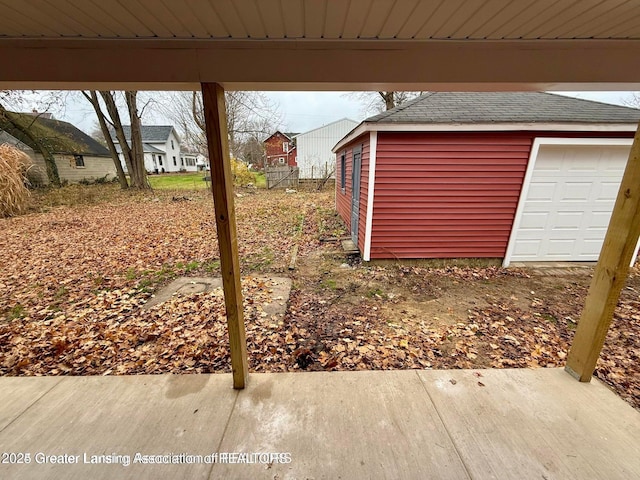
x: 569, y: 202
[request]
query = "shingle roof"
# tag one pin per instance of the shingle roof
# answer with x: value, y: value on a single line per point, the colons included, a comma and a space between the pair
x: 150, y: 133
x: 504, y: 107
x: 146, y: 148
x: 61, y: 137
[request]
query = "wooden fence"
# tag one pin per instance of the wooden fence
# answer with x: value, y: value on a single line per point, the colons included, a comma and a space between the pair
x: 282, y: 177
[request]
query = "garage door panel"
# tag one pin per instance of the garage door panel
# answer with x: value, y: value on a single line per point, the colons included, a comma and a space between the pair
x: 534, y: 221
x: 560, y: 248
x: 608, y: 191
x: 567, y: 221
x: 527, y: 247
x: 569, y: 202
x: 542, y: 191
x: 575, y: 191
x: 591, y: 248
x: 599, y: 220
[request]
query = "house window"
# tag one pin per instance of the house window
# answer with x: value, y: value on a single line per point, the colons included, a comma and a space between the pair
x: 285, y: 146
x: 172, y: 147
x: 343, y: 172
x: 175, y: 164
x: 182, y: 161
x: 160, y: 159
x: 79, y: 160
x: 281, y: 161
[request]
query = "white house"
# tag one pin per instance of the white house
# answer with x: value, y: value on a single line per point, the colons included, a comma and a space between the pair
x: 161, y: 146
x: 77, y: 155
x: 315, y: 158
x: 193, y: 161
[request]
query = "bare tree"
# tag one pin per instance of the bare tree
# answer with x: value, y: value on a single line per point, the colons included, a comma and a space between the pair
x: 253, y: 150
x: 92, y: 97
x: 249, y: 115
x: 133, y: 152
x: 377, y: 102
x: 633, y: 101
x: 97, y: 134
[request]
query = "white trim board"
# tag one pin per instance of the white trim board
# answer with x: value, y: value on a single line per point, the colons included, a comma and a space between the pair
x: 535, y: 148
x: 373, y: 150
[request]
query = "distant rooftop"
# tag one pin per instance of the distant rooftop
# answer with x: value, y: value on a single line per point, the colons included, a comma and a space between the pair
x: 150, y: 133
x: 61, y: 137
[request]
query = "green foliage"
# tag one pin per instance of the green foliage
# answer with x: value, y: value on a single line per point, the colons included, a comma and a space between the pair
x: 261, y: 180
x: 241, y: 173
x: 329, y: 284
x: 98, y: 181
x: 17, y: 311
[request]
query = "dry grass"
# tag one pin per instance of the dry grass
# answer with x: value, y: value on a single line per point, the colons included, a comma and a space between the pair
x: 14, y: 194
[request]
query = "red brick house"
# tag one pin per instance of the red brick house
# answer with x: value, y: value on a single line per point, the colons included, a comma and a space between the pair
x: 280, y: 149
x: 520, y: 176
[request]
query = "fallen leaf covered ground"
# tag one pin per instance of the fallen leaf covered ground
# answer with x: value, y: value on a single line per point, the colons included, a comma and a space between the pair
x: 77, y: 271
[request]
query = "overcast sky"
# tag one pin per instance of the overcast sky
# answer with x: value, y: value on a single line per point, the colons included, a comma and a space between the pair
x: 302, y: 111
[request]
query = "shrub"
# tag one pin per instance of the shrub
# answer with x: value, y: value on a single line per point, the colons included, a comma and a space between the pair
x: 241, y: 173
x: 14, y: 193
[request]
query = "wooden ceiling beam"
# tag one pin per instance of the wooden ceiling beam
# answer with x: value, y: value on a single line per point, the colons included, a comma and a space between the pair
x: 321, y: 65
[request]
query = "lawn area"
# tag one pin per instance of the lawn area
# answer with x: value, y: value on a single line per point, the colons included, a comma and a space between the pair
x: 191, y: 181
x: 261, y: 180
x: 179, y: 181
x: 79, y: 268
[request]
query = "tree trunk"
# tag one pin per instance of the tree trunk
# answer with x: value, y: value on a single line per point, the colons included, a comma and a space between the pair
x: 112, y: 110
x: 92, y: 97
x: 389, y: 99
x: 40, y: 144
x: 139, y: 173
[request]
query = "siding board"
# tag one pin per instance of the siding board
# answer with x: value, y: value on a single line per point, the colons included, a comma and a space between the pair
x: 343, y: 200
x: 446, y: 195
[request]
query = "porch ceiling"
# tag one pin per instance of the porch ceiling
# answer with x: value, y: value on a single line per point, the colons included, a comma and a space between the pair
x: 323, y: 19
x: 321, y: 44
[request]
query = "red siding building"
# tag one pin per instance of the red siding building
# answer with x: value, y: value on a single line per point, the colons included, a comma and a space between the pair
x: 484, y: 175
x: 280, y: 149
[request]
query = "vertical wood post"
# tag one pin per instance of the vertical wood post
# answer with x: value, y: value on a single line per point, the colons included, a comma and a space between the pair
x: 610, y: 273
x: 222, y: 189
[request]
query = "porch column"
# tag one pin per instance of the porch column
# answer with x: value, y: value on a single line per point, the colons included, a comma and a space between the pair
x: 610, y: 273
x: 222, y: 189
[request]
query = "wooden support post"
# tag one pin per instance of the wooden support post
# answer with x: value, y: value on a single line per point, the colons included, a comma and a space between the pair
x: 610, y: 273
x: 222, y: 188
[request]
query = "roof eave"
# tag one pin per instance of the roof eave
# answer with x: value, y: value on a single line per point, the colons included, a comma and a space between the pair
x: 481, y: 127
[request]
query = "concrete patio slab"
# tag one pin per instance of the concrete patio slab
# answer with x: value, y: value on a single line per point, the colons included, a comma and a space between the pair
x: 279, y: 289
x: 340, y: 425
x: 538, y: 424
x: 24, y: 393
x: 115, y: 416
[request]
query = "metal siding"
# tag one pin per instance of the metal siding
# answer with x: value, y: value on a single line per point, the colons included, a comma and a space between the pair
x: 314, y: 147
x: 441, y: 195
